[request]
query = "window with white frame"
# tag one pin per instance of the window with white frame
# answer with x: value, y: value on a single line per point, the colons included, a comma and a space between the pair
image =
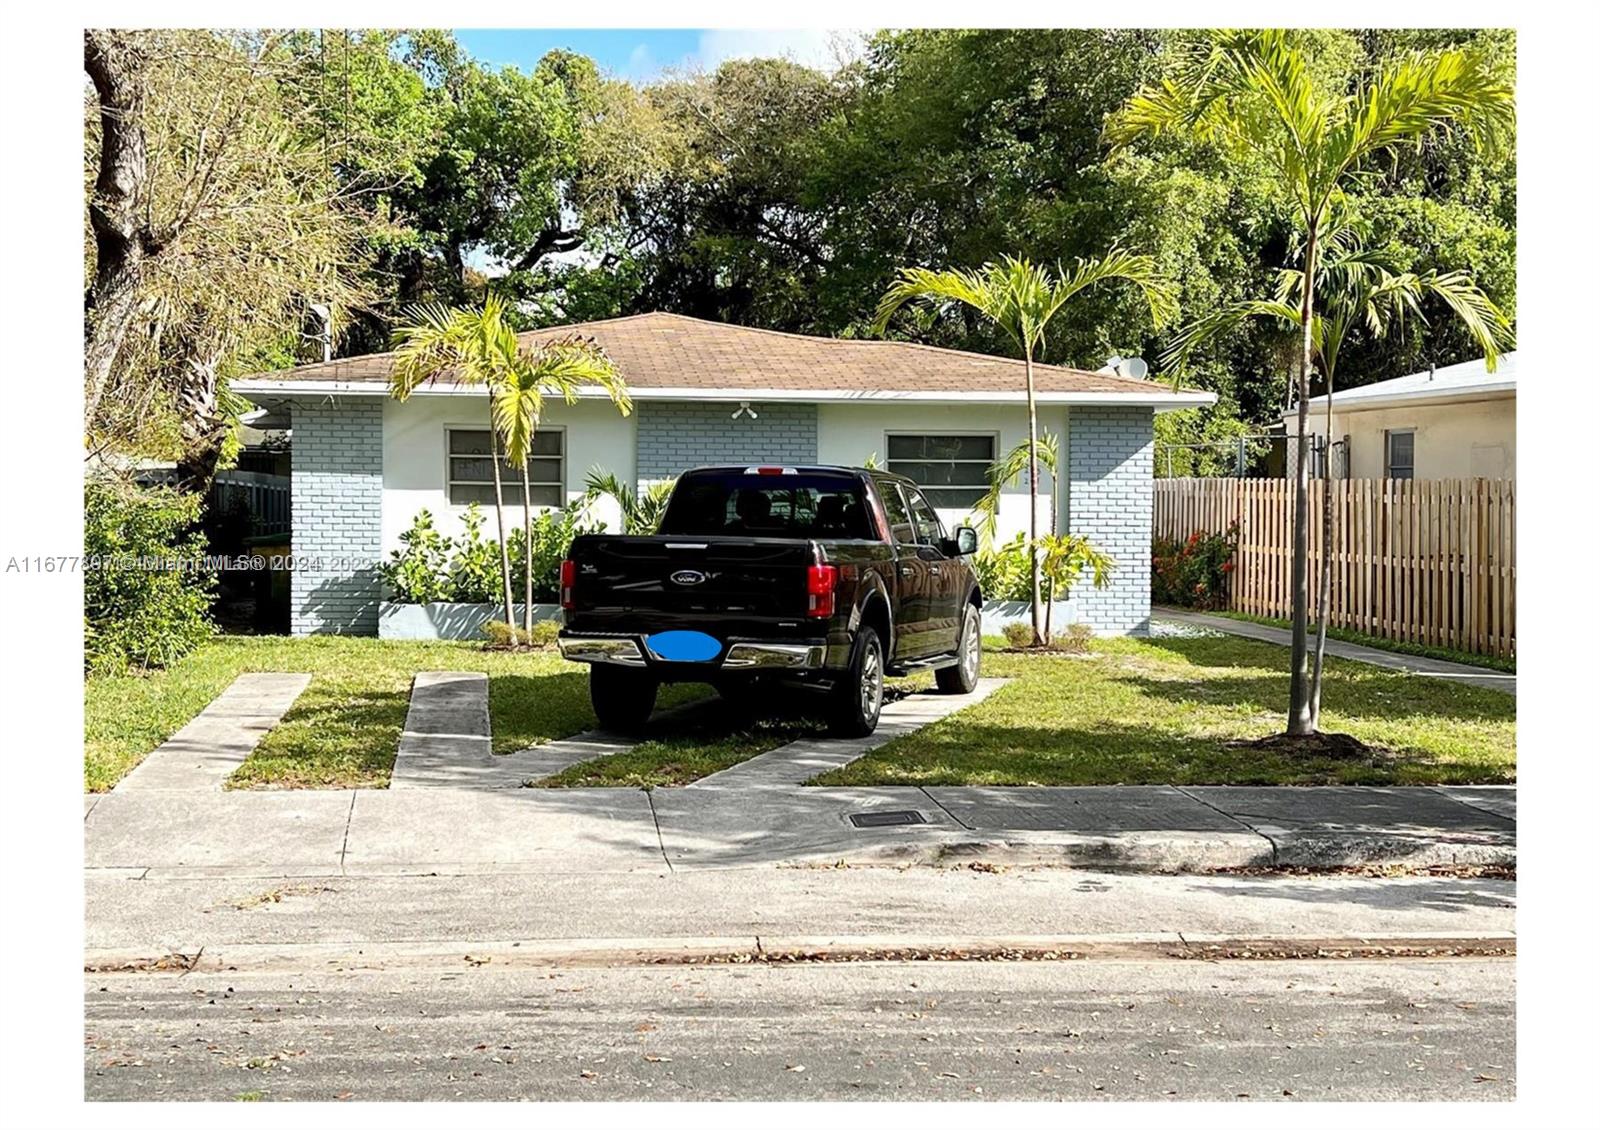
x: 471, y: 470
x: 1400, y: 458
x: 952, y: 470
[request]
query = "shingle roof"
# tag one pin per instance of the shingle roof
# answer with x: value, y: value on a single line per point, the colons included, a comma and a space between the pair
x: 661, y: 351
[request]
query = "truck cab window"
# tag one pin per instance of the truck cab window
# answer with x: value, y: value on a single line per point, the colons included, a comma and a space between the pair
x: 930, y: 531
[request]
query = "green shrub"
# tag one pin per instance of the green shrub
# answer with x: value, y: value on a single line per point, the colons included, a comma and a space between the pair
x: 501, y: 634
x: 1195, y: 572
x: 1002, y: 571
x: 146, y: 602
x: 1075, y: 640
x: 415, y: 573
x: 474, y: 573
x: 1018, y: 634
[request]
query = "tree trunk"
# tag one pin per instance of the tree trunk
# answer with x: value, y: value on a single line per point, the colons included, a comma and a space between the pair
x: 527, y: 551
x: 1033, y: 496
x: 500, y: 525
x: 1325, y: 581
x: 1300, y: 721
x: 116, y: 207
x: 1055, y: 529
x: 202, y: 424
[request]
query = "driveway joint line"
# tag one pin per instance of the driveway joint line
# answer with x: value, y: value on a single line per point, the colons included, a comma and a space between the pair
x: 349, y: 818
x: 1271, y: 843
x: 933, y: 800
x: 1440, y: 791
x: 649, y: 797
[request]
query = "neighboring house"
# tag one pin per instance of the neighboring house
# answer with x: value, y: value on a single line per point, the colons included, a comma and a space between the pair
x: 704, y: 392
x: 1459, y: 422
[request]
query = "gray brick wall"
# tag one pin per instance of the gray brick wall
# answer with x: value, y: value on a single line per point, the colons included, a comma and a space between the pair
x: 1110, y: 494
x: 673, y: 436
x: 337, y: 496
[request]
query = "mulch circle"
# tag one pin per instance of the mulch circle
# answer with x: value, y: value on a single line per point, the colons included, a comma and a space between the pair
x: 1338, y: 747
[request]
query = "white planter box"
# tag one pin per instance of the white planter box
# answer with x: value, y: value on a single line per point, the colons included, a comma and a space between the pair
x: 447, y: 621
x: 998, y: 613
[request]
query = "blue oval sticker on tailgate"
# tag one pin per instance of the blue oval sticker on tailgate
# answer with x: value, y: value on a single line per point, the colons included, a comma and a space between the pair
x: 685, y: 647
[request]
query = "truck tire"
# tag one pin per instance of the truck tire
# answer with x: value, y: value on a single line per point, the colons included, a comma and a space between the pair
x: 962, y: 676
x: 623, y: 697
x: 858, y: 697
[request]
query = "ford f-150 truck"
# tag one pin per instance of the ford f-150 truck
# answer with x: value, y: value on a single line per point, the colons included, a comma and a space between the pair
x: 822, y: 578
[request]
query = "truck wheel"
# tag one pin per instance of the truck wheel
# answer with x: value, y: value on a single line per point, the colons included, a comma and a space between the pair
x: 962, y: 676
x: 623, y: 697
x: 858, y: 698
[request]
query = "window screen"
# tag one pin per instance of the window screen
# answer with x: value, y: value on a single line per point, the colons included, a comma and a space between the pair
x: 1402, y: 455
x: 472, y: 470
x: 952, y: 470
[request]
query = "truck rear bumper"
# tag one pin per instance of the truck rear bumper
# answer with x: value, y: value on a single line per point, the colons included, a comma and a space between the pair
x: 741, y: 655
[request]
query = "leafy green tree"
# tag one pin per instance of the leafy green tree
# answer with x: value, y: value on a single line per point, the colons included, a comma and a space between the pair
x: 1021, y: 298
x: 1259, y: 92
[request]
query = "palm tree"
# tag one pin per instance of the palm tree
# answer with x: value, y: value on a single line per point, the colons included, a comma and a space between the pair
x: 1361, y: 289
x: 641, y: 511
x: 473, y: 347
x: 554, y: 368
x: 1020, y: 298
x: 480, y: 347
x: 1255, y: 91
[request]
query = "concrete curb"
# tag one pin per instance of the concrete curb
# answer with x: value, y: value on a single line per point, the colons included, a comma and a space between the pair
x: 467, y: 955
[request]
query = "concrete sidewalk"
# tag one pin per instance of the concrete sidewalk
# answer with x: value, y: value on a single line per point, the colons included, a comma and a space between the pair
x: 399, y: 832
x: 1398, y: 661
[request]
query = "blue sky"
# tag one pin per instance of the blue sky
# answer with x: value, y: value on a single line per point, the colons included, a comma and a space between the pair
x: 642, y: 54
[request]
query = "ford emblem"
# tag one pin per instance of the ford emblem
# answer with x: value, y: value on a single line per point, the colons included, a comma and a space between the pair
x: 688, y: 577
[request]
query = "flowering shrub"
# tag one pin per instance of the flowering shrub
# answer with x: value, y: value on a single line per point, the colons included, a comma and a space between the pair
x: 431, y: 567
x: 1195, y: 572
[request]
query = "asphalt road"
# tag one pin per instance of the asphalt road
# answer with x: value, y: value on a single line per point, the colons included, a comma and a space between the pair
x: 1089, y: 1029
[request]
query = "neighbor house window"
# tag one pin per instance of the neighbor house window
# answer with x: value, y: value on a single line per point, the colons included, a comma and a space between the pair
x: 472, y: 472
x: 952, y: 470
x: 1400, y: 461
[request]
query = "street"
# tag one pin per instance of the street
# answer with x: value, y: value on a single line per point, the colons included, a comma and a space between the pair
x: 1090, y: 1029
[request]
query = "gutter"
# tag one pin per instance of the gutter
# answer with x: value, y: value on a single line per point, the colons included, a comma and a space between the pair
x: 1160, y: 400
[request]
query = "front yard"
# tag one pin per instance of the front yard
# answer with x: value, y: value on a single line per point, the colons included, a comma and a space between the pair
x: 1135, y: 712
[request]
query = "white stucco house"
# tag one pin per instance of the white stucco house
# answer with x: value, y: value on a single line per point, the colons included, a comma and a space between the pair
x: 1458, y: 422
x: 363, y: 464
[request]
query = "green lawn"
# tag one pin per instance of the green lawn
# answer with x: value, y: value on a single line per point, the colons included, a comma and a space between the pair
x: 1471, y: 658
x: 343, y: 730
x: 1162, y: 712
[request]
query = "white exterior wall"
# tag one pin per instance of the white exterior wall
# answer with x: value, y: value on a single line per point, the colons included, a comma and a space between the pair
x: 1475, y: 439
x: 850, y: 433
x: 414, y: 456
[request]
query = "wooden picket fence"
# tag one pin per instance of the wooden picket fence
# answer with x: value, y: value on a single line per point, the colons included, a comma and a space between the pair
x: 1429, y: 561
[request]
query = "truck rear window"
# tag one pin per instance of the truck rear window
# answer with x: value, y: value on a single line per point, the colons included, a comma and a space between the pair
x: 768, y: 506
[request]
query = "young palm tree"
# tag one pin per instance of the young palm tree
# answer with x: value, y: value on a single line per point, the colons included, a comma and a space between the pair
x: 1021, y: 298
x: 480, y: 347
x: 641, y: 511
x: 555, y: 368
x: 1255, y: 92
x: 474, y: 347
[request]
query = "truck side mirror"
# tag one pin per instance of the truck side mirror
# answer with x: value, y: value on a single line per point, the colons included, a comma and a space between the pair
x: 966, y: 540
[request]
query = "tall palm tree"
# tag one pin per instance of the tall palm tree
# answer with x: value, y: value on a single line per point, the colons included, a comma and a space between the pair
x: 553, y: 368
x: 1361, y: 290
x: 1020, y: 298
x: 480, y: 347
x: 1255, y: 91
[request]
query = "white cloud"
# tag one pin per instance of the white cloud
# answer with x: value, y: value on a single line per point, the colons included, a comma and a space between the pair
x: 824, y: 48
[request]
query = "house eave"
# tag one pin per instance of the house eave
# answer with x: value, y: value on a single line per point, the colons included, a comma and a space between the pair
x: 1159, y: 399
x: 1493, y: 390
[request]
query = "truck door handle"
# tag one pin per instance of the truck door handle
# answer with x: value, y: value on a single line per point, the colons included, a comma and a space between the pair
x: 906, y: 570
x: 934, y: 569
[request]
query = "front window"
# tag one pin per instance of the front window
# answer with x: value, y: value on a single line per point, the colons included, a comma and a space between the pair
x: 952, y: 470
x: 930, y: 531
x: 1401, y: 460
x: 471, y: 473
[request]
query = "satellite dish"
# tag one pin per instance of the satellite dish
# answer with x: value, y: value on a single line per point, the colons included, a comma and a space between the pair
x: 1133, y: 368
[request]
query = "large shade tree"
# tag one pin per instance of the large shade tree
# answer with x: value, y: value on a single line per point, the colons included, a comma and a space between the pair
x: 1020, y: 298
x: 1258, y: 92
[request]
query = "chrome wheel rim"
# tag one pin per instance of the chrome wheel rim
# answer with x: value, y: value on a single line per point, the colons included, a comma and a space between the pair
x: 871, y: 683
x: 971, y: 647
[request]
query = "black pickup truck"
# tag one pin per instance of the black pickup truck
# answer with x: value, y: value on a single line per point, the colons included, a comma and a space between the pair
x: 824, y: 578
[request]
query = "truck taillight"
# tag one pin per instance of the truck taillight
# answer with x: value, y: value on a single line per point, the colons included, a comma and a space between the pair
x: 569, y: 574
x: 821, y: 581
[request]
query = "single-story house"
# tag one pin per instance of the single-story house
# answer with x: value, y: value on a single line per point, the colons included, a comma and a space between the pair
x: 363, y: 464
x: 1459, y: 422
